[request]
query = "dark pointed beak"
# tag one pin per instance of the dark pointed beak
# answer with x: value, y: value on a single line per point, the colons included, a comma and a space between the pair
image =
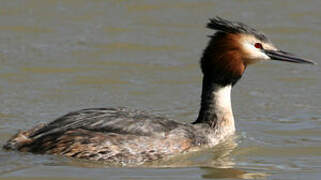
x: 285, y: 56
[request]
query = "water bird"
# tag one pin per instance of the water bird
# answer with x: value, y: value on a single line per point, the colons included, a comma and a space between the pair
x: 132, y: 137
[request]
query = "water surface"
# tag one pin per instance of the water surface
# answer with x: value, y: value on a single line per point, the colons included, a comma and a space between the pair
x: 60, y: 56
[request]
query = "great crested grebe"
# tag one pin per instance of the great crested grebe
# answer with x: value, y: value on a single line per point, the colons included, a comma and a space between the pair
x: 117, y: 135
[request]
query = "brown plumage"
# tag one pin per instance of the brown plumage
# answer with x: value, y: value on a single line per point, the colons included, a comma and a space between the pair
x: 222, y: 59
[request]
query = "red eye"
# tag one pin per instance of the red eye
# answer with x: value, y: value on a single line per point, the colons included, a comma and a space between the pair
x: 258, y: 45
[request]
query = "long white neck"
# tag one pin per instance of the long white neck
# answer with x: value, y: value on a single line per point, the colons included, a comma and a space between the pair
x: 223, y: 109
x: 216, y: 108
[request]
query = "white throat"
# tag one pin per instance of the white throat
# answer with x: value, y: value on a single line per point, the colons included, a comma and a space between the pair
x: 223, y: 109
x: 223, y: 98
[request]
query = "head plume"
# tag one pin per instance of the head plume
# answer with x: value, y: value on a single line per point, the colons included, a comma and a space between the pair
x: 227, y: 26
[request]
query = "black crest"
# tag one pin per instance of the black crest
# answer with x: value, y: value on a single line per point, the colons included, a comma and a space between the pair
x: 224, y: 25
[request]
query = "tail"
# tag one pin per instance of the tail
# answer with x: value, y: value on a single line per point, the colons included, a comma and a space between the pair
x: 21, y: 139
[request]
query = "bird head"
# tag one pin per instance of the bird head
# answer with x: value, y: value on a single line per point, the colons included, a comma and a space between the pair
x: 234, y: 46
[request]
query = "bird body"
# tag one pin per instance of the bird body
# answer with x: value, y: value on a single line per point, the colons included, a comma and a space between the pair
x: 125, y: 137
x: 115, y: 135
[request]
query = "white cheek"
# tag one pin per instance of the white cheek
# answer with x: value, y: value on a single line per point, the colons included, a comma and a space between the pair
x: 254, y: 53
